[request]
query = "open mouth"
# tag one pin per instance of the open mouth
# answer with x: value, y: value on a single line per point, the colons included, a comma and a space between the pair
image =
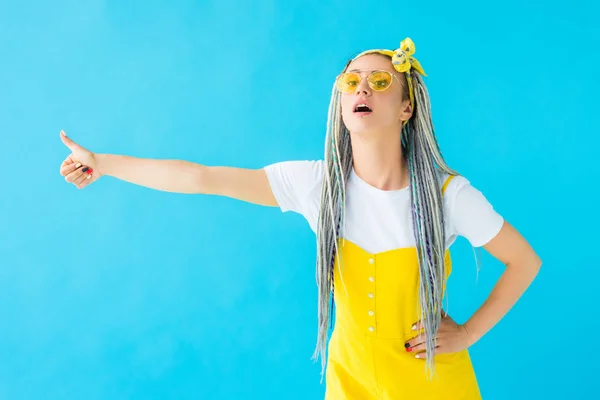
x: 362, y: 108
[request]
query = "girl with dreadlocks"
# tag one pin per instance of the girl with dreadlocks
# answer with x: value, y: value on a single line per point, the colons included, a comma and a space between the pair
x: 385, y: 207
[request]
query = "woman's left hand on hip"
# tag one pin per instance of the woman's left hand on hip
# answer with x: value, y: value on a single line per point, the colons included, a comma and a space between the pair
x: 451, y: 338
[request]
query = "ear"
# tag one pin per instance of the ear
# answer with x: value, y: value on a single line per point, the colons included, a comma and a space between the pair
x: 406, y: 111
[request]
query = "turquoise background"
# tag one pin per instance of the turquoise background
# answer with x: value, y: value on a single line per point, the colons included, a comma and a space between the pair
x: 121, y: 292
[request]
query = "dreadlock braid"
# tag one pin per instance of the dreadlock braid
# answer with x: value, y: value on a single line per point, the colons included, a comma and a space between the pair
x: 338, y: 161
x: 427, y: 212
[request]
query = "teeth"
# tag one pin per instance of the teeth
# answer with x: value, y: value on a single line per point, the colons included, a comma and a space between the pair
x: 361, y: 105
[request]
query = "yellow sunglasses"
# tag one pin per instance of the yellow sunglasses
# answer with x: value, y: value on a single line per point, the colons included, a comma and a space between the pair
x: 378, y: 80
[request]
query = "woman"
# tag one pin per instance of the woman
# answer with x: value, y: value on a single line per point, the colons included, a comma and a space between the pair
x: 385, y: 208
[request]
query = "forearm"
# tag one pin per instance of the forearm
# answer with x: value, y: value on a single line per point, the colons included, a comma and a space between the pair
x: 508, y: 289
x: 166, y: 175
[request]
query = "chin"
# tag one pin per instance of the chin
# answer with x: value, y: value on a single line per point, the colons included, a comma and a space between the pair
x: 364, y: 127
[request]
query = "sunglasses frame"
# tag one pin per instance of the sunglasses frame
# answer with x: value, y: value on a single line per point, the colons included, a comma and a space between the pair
x: 360, y: 78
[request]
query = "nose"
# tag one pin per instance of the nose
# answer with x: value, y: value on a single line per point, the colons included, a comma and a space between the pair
x: 363, y: 87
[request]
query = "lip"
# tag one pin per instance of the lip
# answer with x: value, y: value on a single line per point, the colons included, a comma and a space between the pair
x: 361, y: 101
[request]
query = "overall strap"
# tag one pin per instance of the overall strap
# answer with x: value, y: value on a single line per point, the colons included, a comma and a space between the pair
x: 446, y: 184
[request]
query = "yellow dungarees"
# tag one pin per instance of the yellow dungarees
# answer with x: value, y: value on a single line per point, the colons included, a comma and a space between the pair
x: 376, y: 306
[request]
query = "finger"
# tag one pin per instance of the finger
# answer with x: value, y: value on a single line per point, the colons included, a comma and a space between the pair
x: 418, y: 347
x: 419, y: 343
x: 68, y: 160
x: 68, y: 142
x: 419, y: 325
x: 422, y: 355
x: 83, y: 177
x: 89, y: 179
x: 88, y: 176
x: 416, y: 326
x: 412, y: 343
x: 66, y: 169
x: 83, y: 181
x: 72, y: 176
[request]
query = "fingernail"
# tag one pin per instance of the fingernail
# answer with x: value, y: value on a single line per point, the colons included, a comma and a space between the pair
x: 406, y: 345
x: 63, y: 133
x: 417, y: 356
x: 414, y: 327
x: 90, y: 171
x: 85, y: 169
x: 88, y: 177
x: 409, y: 349
x: 78, y: 165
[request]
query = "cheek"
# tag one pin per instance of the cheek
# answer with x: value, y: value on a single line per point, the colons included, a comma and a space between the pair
x: 392, y: 106
x: 346, y: 106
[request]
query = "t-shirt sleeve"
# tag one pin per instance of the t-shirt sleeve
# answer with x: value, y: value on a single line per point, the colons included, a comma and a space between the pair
x: 471, y: 214
x: 296, y: 185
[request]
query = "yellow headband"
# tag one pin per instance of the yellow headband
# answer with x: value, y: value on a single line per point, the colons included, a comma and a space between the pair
x: 403, y: 61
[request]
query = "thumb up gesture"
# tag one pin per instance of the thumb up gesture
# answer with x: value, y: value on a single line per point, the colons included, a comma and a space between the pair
x: 79, y: 168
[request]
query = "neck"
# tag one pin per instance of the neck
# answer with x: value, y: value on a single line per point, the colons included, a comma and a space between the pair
x: 378, y: 160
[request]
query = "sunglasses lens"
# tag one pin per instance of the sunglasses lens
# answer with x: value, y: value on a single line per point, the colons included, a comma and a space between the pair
x: 347, y: 82
x: 380, y: 80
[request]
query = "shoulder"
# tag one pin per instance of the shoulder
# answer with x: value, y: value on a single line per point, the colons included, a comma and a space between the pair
x: 301, y: 166
x: 295, y: 183
x: 299, y: 172
x: 450, y: 184
x: 468, y: 211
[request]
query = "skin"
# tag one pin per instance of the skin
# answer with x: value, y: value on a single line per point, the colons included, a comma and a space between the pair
x: 72, y: 167
x: 376, y: 148
x: 378, y: 160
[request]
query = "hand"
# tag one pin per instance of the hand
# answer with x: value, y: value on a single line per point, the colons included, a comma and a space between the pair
x: 451, y: 338
x: 77, y: 166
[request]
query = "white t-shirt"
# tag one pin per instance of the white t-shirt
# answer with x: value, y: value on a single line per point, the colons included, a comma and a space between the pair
x: 379, y: 220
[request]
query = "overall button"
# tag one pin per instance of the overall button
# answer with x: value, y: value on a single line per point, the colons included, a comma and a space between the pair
x: 371, y: 313
x: 371, y: 279
x: 371, y: 261
x: 371, y: 329
x: 371, y: 295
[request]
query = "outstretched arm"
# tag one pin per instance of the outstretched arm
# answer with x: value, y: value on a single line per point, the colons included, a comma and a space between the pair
x: 82, y: 167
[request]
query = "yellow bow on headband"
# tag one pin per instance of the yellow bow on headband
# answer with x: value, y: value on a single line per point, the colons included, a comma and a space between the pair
x: 402, y: 60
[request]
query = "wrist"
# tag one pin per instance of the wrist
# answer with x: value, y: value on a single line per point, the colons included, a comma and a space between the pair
x: 103, y: 163
x: 470, y: 335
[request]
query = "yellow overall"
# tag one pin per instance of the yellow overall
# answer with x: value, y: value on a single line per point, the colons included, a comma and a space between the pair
x: 376, y: 305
